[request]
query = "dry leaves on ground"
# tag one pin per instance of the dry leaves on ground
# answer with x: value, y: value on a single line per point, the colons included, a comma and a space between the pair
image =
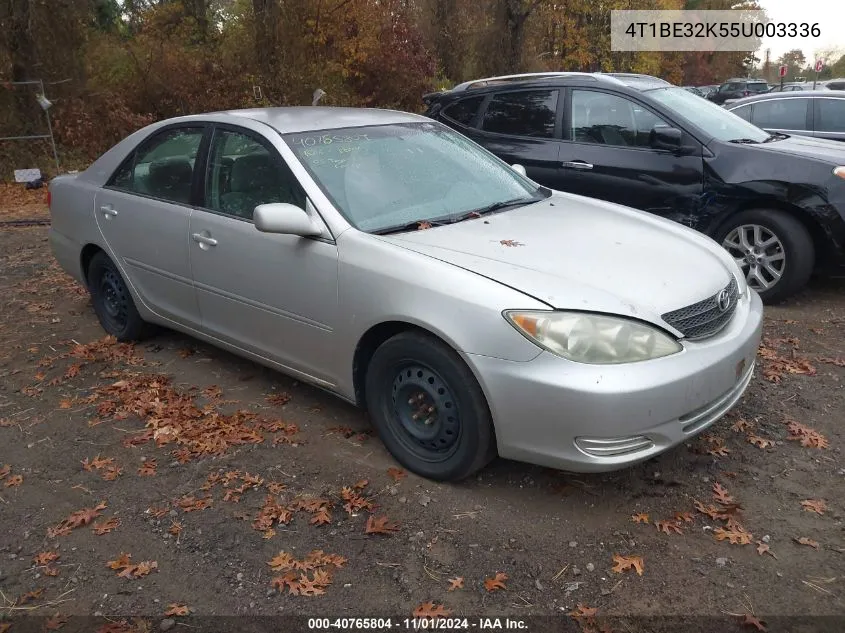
x: 178, y: 610
x: 56, y: 622
x: 45, y: 558
x: 456, y: 583
x: 625, y: 563
x: 814, y: 505
x: 104, y: 527
x: 803, y: 540
x: 763, y: 548
x: 295, y: 577
x: 148, y: 468
x: 735, y: 535
x: 278, y: 399
x: 759, y: 442
x: 497, y: 582
x: 749, y: 621
x: 510, y: 243
x: 380, y: 525
x: 14, y: 481
x: 127, y: 569
x: 775, y: 365
x: 396, y: 473
x: 432, y: 610
x: 805, y: 435
x: 639, y: 518
x: 742, y: 425
x: 669, y: 527
x: 75, y: 520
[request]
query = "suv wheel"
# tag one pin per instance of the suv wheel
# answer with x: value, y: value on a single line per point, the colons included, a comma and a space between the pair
x: 428, y: 408
x: 773, y: 249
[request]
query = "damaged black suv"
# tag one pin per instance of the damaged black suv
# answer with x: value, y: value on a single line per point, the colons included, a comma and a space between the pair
x: 775, y: 201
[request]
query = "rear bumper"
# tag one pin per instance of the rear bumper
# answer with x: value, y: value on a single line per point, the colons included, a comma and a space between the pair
x: 593, y: 418
x: 67, y: 253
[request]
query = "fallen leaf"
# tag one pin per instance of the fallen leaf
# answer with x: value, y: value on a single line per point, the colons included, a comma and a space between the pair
x: 361, y: 484
x: 157, y: 512
x: 669, y: 527
x: 5, y: 626
x: 456, y: 583
x: 278, y: 399
x: 148, y: 468
x: 624, y: 563
x: 51, y: 570
x: 720, y: 494
x: 43, y: 558
x: 14, y: 481
x: 806, y: 436
x: 175, y: 528
x: 104, y: 527
x: 380, y: 525
x: 65, y: 404
x: 75, y: 520
x: 742, y: 425
x: 110, y: 473
x: 422, y: 226
x: 582, y: 611
x: 56, y: 622
x: 321, y: 517
x: 807, y: 541
x: 719, y: 451
x: 5, y: 470
x: 759, y: 442
x: 763, y: 548
x: 97, y: 463
x: 839, y: 362
x: 30, y: 596
x: 814, y: 505
x: 510, y: 243
x: 176, y: 609
x: 683, y: 516
x: 496, y: 582
x: 275, y: 487
x: 751, y: 622
x: 431, y: 610
x: 639, y: 518
x: 735, y: 535
x: 185, y: 352
x: 396, y: 473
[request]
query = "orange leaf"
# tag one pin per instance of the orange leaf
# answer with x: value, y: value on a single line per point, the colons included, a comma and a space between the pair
x: 51, y: 570
x: 44, y: 558
x: 814, y: 505
x: 807, y: 541
x: 510, y: 243
x: 396, y: 473
x: 720, y: 494
x: 456, y: 583
x: 496, y: 582
x: 104, y: 527
x: 639, y: 518
x: 321, y: 517
x: 583, y: 611
x: 148, y: 468
x: 719, y: 451
x: 735, y: 535
x: 14, y: 481
x: 763, y: 548
x: 175, y: 528
x: 361, y: 484
x: 683, y: 516
x: 431, y: 610
x: 624, y: 563
x: 176, y: 609
x: 751, y: 622
x: 741, y: 426
x: 56, y: 622
x: 668, y: 527
x: 380, y: 525
x: 760, y: 442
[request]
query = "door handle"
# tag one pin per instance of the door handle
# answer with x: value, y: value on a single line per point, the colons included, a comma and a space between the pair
x: 205, y: 240
x: 577, y: 164
x: 108, y: 211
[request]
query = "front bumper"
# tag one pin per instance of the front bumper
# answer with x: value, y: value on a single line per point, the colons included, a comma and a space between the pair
x: 594, y: 418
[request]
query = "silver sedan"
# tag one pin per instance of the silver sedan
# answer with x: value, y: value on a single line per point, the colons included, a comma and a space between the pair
x: 395, y: 263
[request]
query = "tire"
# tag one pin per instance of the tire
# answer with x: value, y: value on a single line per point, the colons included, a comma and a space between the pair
x: 792, y: 253
x: 113, y: 303
x: 410, y: 373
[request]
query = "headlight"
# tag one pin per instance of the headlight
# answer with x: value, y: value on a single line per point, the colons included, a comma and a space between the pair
x: 839, y: 171
x: 592, y: 338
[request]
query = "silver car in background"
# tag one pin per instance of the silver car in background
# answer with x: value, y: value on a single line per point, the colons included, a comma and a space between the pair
x: 395, y: 263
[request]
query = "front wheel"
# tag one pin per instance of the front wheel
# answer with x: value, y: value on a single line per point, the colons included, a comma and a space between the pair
x: 428, y: 408
x: 773, y: 249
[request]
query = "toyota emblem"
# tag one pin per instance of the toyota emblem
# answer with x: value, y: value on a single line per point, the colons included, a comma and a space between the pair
x: 723, y: 301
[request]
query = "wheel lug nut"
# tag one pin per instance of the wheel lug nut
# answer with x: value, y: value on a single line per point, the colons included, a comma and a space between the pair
x: 430, y: 409
x: 429, y: 420
x: 416, y: 416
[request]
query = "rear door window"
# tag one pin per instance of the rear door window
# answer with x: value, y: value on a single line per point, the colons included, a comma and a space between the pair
x: 781, y: 114
x: 743, y: 112
x: 524, y: 113
x: 831, y: 115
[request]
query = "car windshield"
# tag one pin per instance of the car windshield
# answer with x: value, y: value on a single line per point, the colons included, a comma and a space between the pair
x: 389, y: 176
x: 712, y: 119
x: 757, y: 87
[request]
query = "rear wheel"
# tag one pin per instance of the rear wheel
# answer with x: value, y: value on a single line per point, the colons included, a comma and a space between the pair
x: 773, y: 249
x: 428, y: 408
x: 113, y: 302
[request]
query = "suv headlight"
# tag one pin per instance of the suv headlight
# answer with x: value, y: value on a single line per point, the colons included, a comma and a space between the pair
x: 592, y: 338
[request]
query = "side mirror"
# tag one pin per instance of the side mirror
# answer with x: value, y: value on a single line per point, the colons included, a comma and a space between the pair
x: 286, y: 219
x: 665, y: 137
x: 519, y: 169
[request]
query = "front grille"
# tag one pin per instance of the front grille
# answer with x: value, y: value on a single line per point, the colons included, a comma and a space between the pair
x: 704, y: 318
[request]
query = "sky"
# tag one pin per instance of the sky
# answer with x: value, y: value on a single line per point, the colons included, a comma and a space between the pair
x: 830, y: 15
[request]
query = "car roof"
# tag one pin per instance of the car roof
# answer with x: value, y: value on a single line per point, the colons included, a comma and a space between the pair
x: 307, y: 118
x: 803, y: 94
x: 630, y: 80
x: 751, y: 80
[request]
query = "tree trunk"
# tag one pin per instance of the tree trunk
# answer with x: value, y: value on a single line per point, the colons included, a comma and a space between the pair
x: 445, y: 17
x: 198, y: 10
x: 266, y: 14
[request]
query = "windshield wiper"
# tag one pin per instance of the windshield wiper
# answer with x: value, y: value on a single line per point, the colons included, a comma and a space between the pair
x: 744, y: 141
x: 499, y: 206
x: 416, y: 225
x: 777, y: 136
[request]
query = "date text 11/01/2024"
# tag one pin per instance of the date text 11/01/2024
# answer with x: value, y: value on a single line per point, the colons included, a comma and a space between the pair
x: 417, y: 624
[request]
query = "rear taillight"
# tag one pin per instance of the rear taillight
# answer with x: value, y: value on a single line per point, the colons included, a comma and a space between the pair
x: 746, y: 93
x: 49, y: 198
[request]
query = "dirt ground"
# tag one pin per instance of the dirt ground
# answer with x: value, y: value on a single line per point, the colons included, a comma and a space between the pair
x: 147, y: 441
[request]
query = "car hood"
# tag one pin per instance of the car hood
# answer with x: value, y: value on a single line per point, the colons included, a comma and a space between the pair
x: 578, y: 253
x: 823, y: 149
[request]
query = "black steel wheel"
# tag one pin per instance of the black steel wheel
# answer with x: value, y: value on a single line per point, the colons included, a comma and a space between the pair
x: 428, y: 408
x: 113, y: 302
